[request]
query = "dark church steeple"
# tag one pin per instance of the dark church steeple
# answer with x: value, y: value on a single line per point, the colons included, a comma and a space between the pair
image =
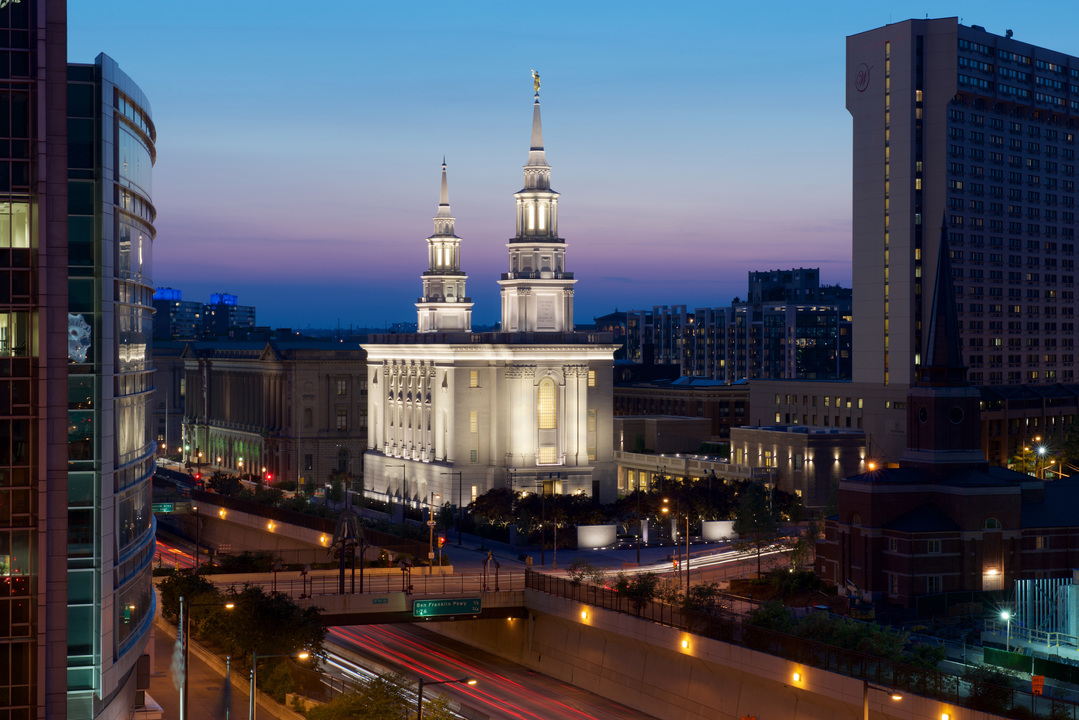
x: 943, y: 409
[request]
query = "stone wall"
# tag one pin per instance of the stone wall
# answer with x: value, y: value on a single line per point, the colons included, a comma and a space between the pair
x: 645, y: 666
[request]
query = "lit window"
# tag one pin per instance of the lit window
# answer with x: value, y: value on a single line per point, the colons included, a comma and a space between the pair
x: 591, y: 378
x: 473, y: 378
x: 474, y: 421
x: 547, y: 455
x: 546, y: 405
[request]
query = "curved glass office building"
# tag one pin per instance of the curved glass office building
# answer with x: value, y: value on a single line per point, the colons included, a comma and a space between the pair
x: 111, y: 153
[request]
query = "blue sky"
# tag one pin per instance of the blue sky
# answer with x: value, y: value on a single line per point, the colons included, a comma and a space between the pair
x: 299, y: 144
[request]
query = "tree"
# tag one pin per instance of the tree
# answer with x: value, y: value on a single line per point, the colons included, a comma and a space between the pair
x: 1069, y: 449
x: 385, y: 697
x: 756, y: 520
x: 267, y: 623
x: 706, y: 598
x: 640, y: 589
x: 991, y: 688
x: 581, y: 570
x: 186, y: 584
x: 224, y: 484
x: 496, y: 506
x: 771, y: 616
x: 337, y: 488
x: 803, y: 549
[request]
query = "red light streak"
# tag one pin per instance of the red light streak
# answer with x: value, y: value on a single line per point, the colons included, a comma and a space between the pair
x: 369, y: 636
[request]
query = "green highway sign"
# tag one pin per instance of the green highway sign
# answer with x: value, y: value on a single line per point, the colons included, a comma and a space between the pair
x: 446, y: 606
x: 164, y: 507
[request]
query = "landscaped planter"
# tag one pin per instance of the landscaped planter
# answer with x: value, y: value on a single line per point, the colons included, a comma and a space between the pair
x: 596, y: 536
x: 717, y: 530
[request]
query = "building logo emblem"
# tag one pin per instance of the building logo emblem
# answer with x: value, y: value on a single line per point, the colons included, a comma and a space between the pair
x: 861, y: 77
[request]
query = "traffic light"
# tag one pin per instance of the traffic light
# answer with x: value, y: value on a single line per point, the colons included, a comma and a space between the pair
x: 441, y: 540
x: 269, y: 477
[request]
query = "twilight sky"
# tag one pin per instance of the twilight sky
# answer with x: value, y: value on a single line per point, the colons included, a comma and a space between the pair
x: 300, y: 144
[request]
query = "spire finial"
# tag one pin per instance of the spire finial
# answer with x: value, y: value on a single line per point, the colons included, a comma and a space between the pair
x: 535, y: 80
x: 444, y: 195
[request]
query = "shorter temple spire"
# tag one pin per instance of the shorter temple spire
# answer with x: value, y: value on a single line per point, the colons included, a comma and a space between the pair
x: 444, y: 197
x: 444, y: 305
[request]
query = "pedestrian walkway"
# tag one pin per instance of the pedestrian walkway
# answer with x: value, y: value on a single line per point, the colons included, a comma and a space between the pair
x: 206, y: 687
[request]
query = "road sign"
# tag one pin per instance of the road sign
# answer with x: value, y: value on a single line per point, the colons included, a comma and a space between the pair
x: 445, y: 606
x: 431, y: 523
x: 164, y: 507
x: 1037, y: 684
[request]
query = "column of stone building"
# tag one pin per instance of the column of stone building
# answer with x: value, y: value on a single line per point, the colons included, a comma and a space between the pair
x: 581, y: 377
x: 572, y: 416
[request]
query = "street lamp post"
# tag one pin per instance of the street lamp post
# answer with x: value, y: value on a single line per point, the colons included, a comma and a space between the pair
x: 195, y: 509
x: 866, y: 687
x: 543, y: 522
x: 431, y: 528
x: 184, y: 629
x: 254, y: 669
x: 419, y: 698
x: 1007, y: 617
x: 460, y: 500
x: 640, y: 526
x: 665, y: 511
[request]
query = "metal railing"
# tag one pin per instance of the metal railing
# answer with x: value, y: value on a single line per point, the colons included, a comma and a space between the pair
x: 1030, y: 636
x: 893, y: 674
x: 422, y: 584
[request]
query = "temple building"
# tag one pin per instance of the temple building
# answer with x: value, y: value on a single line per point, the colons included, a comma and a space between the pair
x: 453, y: 414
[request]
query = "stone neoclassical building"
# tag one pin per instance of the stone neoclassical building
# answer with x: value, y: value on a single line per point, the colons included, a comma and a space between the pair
x: 457, y: 413
x: 297, y: 408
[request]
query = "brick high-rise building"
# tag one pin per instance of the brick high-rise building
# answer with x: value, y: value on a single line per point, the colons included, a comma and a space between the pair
x: 979, y: 129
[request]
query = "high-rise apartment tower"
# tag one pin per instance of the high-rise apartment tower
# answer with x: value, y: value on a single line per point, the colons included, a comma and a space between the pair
x: 957, y: 125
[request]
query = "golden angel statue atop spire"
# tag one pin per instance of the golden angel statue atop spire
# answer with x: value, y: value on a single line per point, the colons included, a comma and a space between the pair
x: 535, y: 80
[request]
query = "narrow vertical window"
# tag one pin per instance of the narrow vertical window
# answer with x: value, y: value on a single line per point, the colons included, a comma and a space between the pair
x: 546, y: 405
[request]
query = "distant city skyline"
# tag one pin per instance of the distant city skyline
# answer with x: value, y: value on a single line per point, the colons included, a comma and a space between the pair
x: 299, y: 152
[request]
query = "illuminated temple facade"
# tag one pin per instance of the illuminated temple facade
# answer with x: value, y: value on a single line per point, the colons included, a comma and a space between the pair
x: 455, y: 413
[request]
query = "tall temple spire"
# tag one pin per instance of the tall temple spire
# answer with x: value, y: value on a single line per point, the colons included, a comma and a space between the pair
x: 444, y: 305
x: 537, y: 292
x: 536, y: 157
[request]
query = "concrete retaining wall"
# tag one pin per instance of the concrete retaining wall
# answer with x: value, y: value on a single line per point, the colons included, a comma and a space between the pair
x: 644, y: 665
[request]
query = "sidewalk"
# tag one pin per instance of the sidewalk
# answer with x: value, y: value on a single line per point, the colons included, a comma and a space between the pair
x: 206, y: 683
